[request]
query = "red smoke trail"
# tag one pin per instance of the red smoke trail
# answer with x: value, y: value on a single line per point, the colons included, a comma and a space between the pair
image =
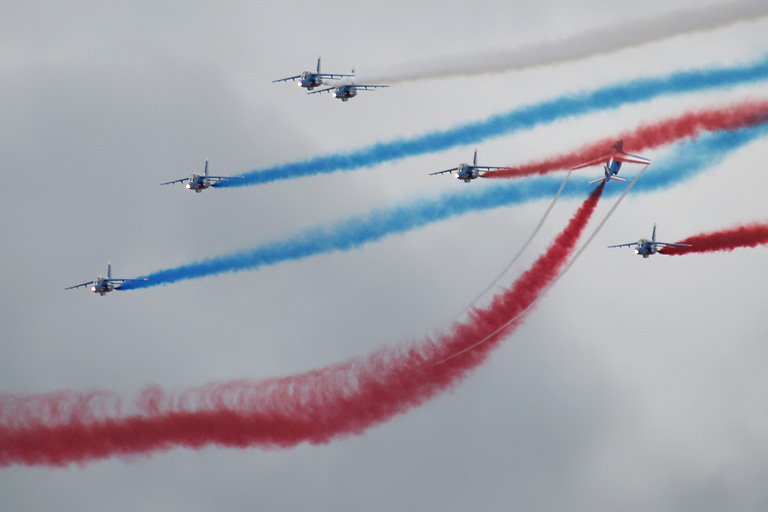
x: 333, y: 402
x: 650, y: 136
x: 750, y: 235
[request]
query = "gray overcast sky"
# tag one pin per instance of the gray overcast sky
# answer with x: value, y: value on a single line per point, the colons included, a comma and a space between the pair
x: 636, y: 384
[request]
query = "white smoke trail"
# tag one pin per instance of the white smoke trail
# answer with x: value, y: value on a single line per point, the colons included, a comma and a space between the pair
x: 585, y: 44
x: 554, y: 281
x: 519, y: 252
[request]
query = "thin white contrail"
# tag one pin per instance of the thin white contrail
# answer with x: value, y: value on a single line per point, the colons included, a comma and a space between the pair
x: 519, y: 252
x: 554, y: 281
x: 584, y: 44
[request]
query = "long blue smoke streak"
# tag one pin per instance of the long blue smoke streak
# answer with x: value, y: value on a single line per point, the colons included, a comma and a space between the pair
x: 530, y: 116
x: 689, y: 159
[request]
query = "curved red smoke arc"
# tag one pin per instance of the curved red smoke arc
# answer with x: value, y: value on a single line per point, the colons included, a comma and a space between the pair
x: 318, y: 406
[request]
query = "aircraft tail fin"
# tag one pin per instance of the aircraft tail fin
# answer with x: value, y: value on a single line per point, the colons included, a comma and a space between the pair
x: 318, y: 64
x: 474, y: 160
x: 653, y: 235
x: 109, y: 270
x: 205, y: 170
x: 616, y: 178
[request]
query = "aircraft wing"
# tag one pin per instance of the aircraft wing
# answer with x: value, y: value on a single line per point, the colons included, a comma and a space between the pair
x: 623, y: 245
x: 331, y: 75
x: 322, y: 90
x: 221, y: 178
x: 78, y: 285
x: 123, y: 281
x: 671, y: 245
x: 366, y: 87
x: 594, y: 161
x: 626, y: 157
x: 443, y: 172
x: 175, y: 181
x: 286, y: 79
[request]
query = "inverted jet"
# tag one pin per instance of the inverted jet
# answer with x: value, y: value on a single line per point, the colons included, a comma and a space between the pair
x: 612, y: 162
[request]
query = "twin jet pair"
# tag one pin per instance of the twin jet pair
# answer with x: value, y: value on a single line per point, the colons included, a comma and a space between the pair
x: 616, y: 156
x: 611, y: 161
x: 311, y: 79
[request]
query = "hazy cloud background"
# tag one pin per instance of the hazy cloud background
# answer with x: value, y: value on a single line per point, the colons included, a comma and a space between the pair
x: 637, y: 384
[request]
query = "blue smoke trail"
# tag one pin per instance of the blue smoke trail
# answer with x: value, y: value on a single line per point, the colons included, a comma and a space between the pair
x: 530, y: 116
x: 689, y: 159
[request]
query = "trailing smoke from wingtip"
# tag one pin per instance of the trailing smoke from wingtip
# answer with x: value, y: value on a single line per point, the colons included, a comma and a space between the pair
x: 315, y: 407
x: 748, y: 235
x: 623, y: 35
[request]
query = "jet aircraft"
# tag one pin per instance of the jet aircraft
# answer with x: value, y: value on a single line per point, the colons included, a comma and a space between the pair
x: 612, y: 162
x: 645, y: 247
x: 200, y: 182
x: 469, y: 172
x: 311, y: 79
x: 104, y: 285
x: 346, y: 91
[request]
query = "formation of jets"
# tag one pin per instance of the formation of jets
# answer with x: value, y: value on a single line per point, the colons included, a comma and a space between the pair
x: 103, y: 285
x: 200, y: 182
x: 645, y: 247
x: 309, y: 80
x: 469, y: 172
